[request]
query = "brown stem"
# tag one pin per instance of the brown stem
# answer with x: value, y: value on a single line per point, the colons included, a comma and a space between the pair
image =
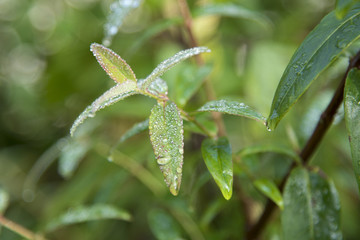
x: 19, y: 229
x: 210, y: 93
x: 311, y: 145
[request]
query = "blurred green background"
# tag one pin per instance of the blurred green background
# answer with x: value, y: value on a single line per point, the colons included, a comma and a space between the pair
x: 48, y: 76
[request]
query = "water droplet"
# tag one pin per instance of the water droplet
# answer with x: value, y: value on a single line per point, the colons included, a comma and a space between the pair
x: 163, y: 160
x: 181, y: 150
x: 179, y: 170
x: 341, y: 44
x: 110, y: 158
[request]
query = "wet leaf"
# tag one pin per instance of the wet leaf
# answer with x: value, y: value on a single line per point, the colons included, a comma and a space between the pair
x: 87, y: 213
x: 342, y: 7
x: 269, y: 189
x: 319, y: 49
x: 233, y: 108
x: 4, y: 200
x: 233, y: 10
x: 218, y: 159
x: 170, y: 62
x: 311, y: 207
x: 163, y: 226
x: 158, y: 89
x: 352, y: 116
x: 70, y: 157
x: 166, y: 135
x: 113, y: 64
x: 113, y: 95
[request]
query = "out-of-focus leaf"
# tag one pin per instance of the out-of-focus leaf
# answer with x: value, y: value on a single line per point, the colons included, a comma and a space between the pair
x: 342, y: 7
x: 270, y: 148
x: 352, y: 116
x: 218, y: 159
x: 311, y: 207
x: 153, y: 30
x: 70, y: 157
x: 166, y: 135
x: 170, y: 62
x: 320, y: 48
x: 232, y: 10
x: 269, y: 189
x: 189, y: 81
x: 4, y: 200
x: 163, y: 226
x: 87, y: 213
x: 205, y: 122
x: 158, y: 88
x: 113, y: 95
x: 137, y: 128
x: 233, y: 108
x: 113, y: 64
x: 119, y: 10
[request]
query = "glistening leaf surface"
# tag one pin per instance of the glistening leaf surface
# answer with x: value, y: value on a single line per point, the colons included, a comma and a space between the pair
x: 113, y: 95
x: 233, y: 108
x: 166, y: 136
x: 311, y: 207
x: 269, y: 189
x: 218, y: 159
x: 352, y: 118
x: 87, y: 213
x: 319, y: 49
x: 172, y: 61
x: 113, y: 64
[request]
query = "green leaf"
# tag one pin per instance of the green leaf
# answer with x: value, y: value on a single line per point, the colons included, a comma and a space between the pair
x: 166, y: 136
x: 136, y: 129
x: 70, y: 157
x: 163, y: 226
x: 157, y: 89
x: 87, y: 213
x: 320, y: 48
x: 170, y: 62
x: 189, y: 82
x: 113, y: 64
x: 269, y: 189
x: 4, y: 200
x: 343, y: 6
x: 233, y: 10
x: 233, y: 108
x: 218, y: 159
x: 352, y: 116
x: 113, y: 95
x: 311, y: 207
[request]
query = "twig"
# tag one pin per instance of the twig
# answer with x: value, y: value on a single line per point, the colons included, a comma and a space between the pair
x: 322, y: 126
x: 210, y: 93
x: 19, y: 229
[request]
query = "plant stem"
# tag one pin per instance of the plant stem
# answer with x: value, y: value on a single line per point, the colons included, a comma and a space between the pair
x: 19, y: 229
x: 311, y: 145
x: 210, y: 93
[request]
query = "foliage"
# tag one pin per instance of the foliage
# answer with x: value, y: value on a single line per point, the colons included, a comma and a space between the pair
x: 195, y: 134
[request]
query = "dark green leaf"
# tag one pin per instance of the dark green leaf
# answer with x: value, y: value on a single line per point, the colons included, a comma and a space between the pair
x: 218, y: 159
x: 163, y: 226
x: 311, y: 207
x: 113, y: 95
x: 232, y: 107
x: 352, y: 117
x: 137, y: 128
x: 320, y: 48
x: 269, y: 189
x: 113, y: 64
x: 343, y: 7
x: 166, y: 135
x: 85, y: 213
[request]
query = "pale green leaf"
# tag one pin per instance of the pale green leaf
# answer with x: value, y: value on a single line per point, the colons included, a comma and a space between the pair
x: 170, y: 62
x: 163, y: 226
x: 233, y: 108
x: 87, y: 213
x: 113, y: 64
x: 352, y: 117
x: 4, y: 200
x: 218, y: 159
x: 311, y: 207
x: 320, y: 48
x: 233, y: 10
x: 157, y: 89
x: 269, y: 189
x: 166, y: 135
x: 113, y: 95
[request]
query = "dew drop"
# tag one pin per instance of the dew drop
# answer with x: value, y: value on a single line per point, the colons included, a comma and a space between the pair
x: 181, y: 150
x: 163, y: 160
x: 110, y: 158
